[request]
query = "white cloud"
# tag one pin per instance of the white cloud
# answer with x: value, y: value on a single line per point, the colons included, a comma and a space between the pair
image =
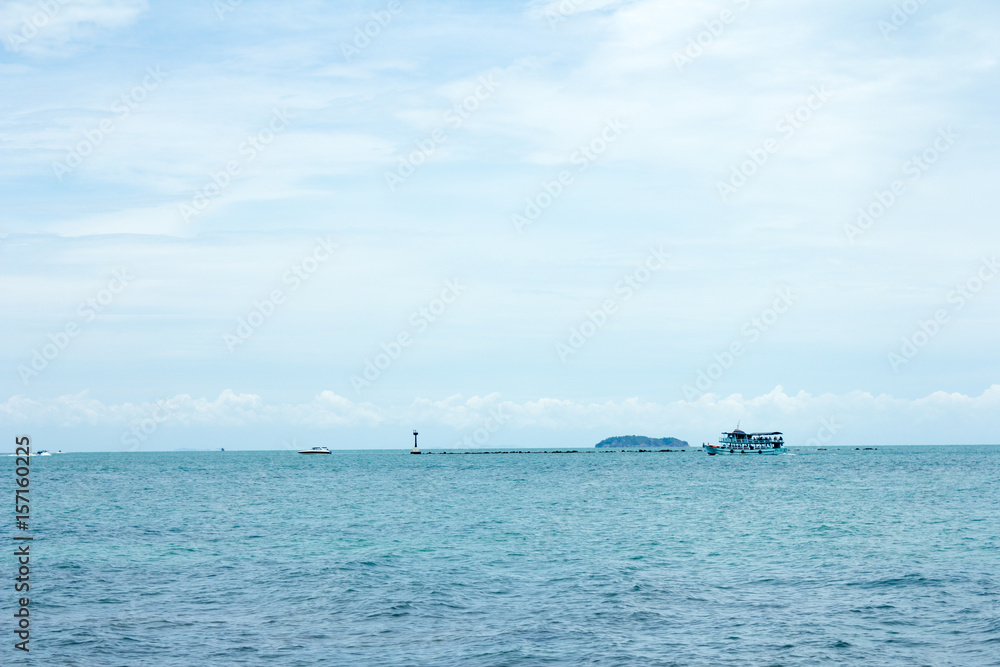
x: 861, y: 417
x: 558, y: 85
x: 60, y: 27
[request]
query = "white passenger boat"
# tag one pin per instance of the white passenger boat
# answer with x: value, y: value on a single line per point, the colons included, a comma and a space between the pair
x: 316, y: 450
x: 738, y: 442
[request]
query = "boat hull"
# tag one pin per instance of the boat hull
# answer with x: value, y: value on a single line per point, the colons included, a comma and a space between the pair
x: 740, y: 451
x: 310, y: 452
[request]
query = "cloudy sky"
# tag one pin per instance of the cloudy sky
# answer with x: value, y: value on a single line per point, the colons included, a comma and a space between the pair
x: 261, y: 225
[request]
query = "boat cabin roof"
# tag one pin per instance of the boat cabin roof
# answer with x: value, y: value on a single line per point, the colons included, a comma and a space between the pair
x: 750, y: 434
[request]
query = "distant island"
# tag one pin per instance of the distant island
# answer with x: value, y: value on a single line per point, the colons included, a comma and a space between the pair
x: 641, y: 441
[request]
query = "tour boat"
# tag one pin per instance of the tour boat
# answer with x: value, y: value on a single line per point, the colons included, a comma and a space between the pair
x: 738, y: 442
x: 316, y: 450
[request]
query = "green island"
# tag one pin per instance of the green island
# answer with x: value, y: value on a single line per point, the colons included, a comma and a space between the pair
x: 640, y: 441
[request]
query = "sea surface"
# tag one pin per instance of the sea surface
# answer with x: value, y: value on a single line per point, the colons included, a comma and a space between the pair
x: 836, y: 557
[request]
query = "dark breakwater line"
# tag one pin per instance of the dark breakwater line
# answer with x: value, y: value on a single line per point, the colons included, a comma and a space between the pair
x: 570, y: 451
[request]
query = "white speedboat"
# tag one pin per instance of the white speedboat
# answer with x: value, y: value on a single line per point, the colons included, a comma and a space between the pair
x: 738, y: 442
x: 316, y: 450
x: 43, y: 452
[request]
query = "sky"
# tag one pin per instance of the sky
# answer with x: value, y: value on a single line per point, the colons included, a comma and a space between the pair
x: 263, y: 225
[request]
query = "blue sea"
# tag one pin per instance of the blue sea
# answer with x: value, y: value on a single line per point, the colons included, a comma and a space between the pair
x: 880, y: 557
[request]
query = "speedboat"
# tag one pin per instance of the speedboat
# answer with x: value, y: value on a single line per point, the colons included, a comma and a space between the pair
x: 43, y: 452
x: 316, y: 450
x: 739, y: 442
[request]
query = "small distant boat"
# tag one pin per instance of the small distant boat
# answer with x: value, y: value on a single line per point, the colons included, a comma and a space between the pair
x: 316, y: 450
x: 738, y: 442
x: 43, y: 452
